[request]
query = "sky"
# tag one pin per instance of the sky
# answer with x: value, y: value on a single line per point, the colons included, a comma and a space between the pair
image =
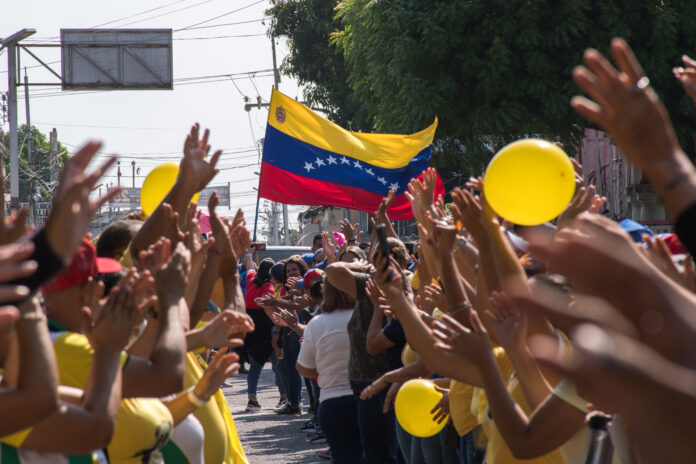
x: 149, y: 126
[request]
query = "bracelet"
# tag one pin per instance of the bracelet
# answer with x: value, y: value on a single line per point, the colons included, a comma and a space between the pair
x: 33, y: 316
x: 459, y: 307
x: 194, y: 399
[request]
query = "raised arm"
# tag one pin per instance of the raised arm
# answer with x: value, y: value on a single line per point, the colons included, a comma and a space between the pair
x: 195, y: 171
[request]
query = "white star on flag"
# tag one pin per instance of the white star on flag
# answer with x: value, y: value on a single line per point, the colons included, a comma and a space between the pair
x: 344, y: 160
x: 394, y: 186
x: 369, y: 171
x: 382, y: 180
x: 320, y: 162
x: 331, y: 159
x: 308, y: 166
x: 357, y: 164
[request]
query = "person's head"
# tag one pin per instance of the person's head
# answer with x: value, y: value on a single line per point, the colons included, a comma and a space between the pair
x: 114, y: 240
x: 316, y: 242
x: 294, y: 268
x: 333, y: 299
x: 308, y: 258
x: 316, y: 290
x: 66, y: 294
x: 365, y: 246
x: 110, y: 279
x: 352, y: 253
x: 277, y: 273
x: 396, y: 249
x: 263, y: 274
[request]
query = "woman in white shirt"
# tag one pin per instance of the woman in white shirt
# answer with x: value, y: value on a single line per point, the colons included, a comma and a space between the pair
x: 324, y: 354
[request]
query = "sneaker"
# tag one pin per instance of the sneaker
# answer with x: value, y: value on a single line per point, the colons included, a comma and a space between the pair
x: 281, y: 404
x: 289, y: 409
x: 308, y: 426
x: 318, y: 440
x: 253, y: 406
x: 326, y: 454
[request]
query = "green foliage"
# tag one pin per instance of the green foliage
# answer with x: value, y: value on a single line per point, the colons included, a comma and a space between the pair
x: 308, y: 24
x: 41, y: 165
x: 492, y: 71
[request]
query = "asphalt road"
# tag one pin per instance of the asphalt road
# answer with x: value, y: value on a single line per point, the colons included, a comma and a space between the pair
x: 266, y: 436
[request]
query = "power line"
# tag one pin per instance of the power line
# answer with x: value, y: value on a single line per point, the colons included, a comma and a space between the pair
x: 226, y: 24
x: 164, y: 14
x: 219, y: 16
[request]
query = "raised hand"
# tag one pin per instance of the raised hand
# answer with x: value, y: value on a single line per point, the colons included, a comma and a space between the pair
x: 384, y: 206
x: 350, y: 230
x: 329, y: 247
x: 467, y: 209
x: 433, y: 298
x: 421, y: 194
x: 196, y: 170
x: 221, y: 366
x: 114, y: 324
x: 170, y: 270
x: 72, y: 209
x: 622, y: 102
x: 583, y: 199
x: 219, y: 333
x: 13, y: 265
x: 687, y: 76
x: 453, y: 337
x: 510, y: 323
x: 220, y: 228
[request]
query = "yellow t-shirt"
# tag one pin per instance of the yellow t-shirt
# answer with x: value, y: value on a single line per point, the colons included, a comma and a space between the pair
x: 143, y: 426
x: 460, y: 397
x: 221, y: 443
x: 497, y: 451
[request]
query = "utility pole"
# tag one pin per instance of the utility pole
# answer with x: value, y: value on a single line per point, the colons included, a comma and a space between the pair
x: 118, y: 173
x: 133, y: 175
x: 53, y: 158
x: 11, y: 44
x: 30, y: 157
x: 276, y: 79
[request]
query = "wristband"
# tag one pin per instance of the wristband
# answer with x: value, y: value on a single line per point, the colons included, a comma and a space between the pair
x: 194, y: 399
x: 33, y: 316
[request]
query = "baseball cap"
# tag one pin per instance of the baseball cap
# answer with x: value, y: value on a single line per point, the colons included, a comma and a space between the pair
x: 309, y: 278
x: 673, y: 242
x: 308, y: 258
x: 84, y: 264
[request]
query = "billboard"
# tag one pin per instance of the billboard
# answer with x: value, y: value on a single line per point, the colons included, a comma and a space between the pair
x: 129, y: 198
x: 116, y: 59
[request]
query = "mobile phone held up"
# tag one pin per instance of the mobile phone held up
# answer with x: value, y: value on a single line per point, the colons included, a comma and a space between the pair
x: 381, y: 231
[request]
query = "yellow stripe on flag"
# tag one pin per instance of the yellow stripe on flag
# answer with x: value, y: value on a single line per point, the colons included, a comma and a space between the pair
x: 384, y: 150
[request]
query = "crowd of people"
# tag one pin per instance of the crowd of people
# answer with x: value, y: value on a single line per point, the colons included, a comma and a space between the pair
x: 115, y: 347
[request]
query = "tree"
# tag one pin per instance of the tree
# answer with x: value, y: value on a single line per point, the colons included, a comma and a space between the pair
x: 41, y: 166
x: 320, y: 67
x: 497, y: 70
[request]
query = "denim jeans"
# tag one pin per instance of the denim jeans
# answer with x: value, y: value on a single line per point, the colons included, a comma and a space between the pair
x: 286, y: 366
x: 377, y: 430
x: 339, y: 419
x: 426, y: 450
x: 255, y: 368
x: 468, y: 453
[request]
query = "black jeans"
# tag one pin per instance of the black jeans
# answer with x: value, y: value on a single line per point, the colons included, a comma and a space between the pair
x: 377, y: 430
x: 339, y: 422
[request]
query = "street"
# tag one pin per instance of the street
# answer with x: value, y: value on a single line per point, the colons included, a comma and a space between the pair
x: 266, y: 436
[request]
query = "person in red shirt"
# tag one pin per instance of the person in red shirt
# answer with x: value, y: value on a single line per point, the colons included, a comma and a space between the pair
x: 258, y: 342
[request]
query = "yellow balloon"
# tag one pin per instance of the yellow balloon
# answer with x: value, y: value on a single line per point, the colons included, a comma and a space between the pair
x: 408, y: 356
x: 157, y: 185
x: 529, y: 182
x: 415, y: 400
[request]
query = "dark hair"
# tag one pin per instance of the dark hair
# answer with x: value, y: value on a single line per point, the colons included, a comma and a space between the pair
x: 410, y: 247
x: 317, y: 237
x: 110, y: 279
x: 116, y: 237
x: 334, y: 299
x: 397, y: 249
x: 263, y: 275
x: 317, y: 288
x: 300, y: 263
x: 365, y: 245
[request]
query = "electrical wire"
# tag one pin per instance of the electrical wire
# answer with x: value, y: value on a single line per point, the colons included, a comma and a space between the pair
x: 219, y: 16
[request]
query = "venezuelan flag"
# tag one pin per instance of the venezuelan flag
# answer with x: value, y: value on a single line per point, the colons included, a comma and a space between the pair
x: 308, y: 160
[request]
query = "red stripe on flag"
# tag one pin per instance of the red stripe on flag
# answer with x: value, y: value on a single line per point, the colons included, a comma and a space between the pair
x: 279, y: 185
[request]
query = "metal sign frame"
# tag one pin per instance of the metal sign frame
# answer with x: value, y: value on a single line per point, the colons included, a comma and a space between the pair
x: 109, y: 58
